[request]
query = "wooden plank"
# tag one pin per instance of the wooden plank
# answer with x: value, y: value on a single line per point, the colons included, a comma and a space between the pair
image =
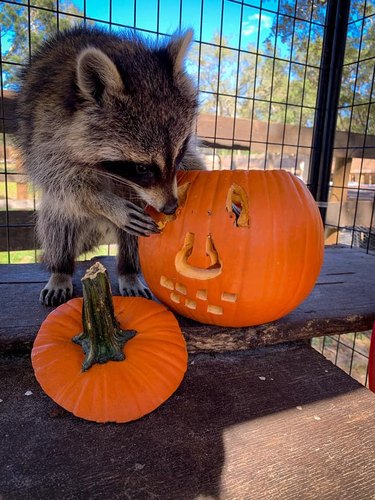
x: 277, y: 423
x: 342, y: 301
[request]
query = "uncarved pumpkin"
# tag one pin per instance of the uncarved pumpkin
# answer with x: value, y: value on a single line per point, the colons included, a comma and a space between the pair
x: 117, y: 391
x: 245, y: 247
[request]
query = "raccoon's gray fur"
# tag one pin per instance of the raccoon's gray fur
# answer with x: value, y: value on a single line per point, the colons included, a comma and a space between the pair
x: 104, y: 120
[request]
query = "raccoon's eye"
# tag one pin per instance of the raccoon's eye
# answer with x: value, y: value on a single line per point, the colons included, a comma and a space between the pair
x: 142, y: 169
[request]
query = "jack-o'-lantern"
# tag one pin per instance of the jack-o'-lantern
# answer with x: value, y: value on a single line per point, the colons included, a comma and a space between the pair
x: 244, y: 248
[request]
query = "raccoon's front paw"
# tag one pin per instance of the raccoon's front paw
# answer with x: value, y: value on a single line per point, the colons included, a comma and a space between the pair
x: 130, y: 285
x: 58, y: 290
x: 138, y: 223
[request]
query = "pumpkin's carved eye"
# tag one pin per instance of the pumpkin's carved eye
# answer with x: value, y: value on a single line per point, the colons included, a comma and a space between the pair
x: 237, y: 204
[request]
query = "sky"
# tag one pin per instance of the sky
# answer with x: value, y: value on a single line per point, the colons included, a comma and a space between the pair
x: 169, y: 16
x: 144, y: 13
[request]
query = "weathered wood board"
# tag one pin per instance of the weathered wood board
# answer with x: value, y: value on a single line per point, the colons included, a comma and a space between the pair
x: 342, y: 301
x: 276, y: 423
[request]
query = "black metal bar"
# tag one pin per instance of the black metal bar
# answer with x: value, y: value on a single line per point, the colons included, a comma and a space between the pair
x: 328, y: 98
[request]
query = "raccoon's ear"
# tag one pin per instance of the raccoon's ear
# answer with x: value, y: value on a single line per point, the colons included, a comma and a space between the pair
x: 97, y: 74
x: 177, y: 48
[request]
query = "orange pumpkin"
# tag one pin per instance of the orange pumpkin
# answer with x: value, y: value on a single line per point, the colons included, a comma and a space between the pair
x: 117, y: 391
x: 245, y: 248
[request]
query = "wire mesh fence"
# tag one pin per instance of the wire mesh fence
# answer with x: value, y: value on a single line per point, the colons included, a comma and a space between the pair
x: 350, y: 352
x: 350, y: 216
x: 259, y: 66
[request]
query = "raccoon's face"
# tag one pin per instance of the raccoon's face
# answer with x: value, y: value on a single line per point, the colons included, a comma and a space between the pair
x: 137, y: 117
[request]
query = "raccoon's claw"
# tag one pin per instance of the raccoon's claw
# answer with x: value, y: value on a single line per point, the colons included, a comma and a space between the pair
x: 139, y: 223
x: 58, y: 290
x: 139, y: 231
x: 131, y: 286
x: 54, y: 297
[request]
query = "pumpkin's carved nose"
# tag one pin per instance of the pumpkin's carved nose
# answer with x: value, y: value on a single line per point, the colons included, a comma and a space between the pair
x: 186, y: 269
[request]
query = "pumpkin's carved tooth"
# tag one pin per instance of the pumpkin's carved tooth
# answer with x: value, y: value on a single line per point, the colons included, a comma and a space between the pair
x: 166, y: 283
x: 229, y: 297
x: 186, y: 269
x: 237, y: 197
x: 214, y: 309
x: 181, y: 288
x: 202, y: 294
x: 175, y: 298
x: 191, y: 304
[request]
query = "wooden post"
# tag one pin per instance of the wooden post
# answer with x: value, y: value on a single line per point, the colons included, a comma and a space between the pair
x: 338, y: 196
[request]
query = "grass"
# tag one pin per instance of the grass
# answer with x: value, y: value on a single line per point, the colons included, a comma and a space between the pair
x: 18, y: 257
x: 12, y: 190
x: 32, y: 256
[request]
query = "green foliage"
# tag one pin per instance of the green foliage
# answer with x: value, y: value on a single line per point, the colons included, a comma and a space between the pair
x: 16, y: 28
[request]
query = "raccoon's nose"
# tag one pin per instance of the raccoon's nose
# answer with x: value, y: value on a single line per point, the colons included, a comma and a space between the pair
x: 170, y: 207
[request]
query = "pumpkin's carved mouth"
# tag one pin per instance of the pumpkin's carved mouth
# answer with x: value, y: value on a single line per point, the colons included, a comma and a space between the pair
x: 186, y: 269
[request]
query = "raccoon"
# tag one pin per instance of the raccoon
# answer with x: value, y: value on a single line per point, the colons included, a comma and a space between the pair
x: 104, y: 122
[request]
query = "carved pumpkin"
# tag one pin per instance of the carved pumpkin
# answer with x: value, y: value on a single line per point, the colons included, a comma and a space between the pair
x: 244, y: 248
x: 113, y: 382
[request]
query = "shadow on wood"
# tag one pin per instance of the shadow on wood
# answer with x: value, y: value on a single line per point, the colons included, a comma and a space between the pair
x: 232, y: 430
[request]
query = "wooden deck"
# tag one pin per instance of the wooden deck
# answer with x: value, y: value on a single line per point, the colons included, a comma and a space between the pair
x: 274, y: 423
x: 277, y: 422
x: 342, y: 301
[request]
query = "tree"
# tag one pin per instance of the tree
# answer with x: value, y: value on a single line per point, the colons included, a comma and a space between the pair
x: 358, y: 68
x: 16, y: 28
x: 210, y: 80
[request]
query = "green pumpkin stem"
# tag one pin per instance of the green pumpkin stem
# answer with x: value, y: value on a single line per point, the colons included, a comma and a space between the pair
x: 102, y: 339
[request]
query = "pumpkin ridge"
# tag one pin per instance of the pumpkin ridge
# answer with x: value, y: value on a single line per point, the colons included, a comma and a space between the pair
x: 164, y: 355
x: 142, y: 407
x: 60, y: 395
x: 160, y: 357
x: 154, y: 315
x: 305, y: 240
x: 279, y: 188
x: 78, y: 398
x: 155, y: 365
x: 157, y: 399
